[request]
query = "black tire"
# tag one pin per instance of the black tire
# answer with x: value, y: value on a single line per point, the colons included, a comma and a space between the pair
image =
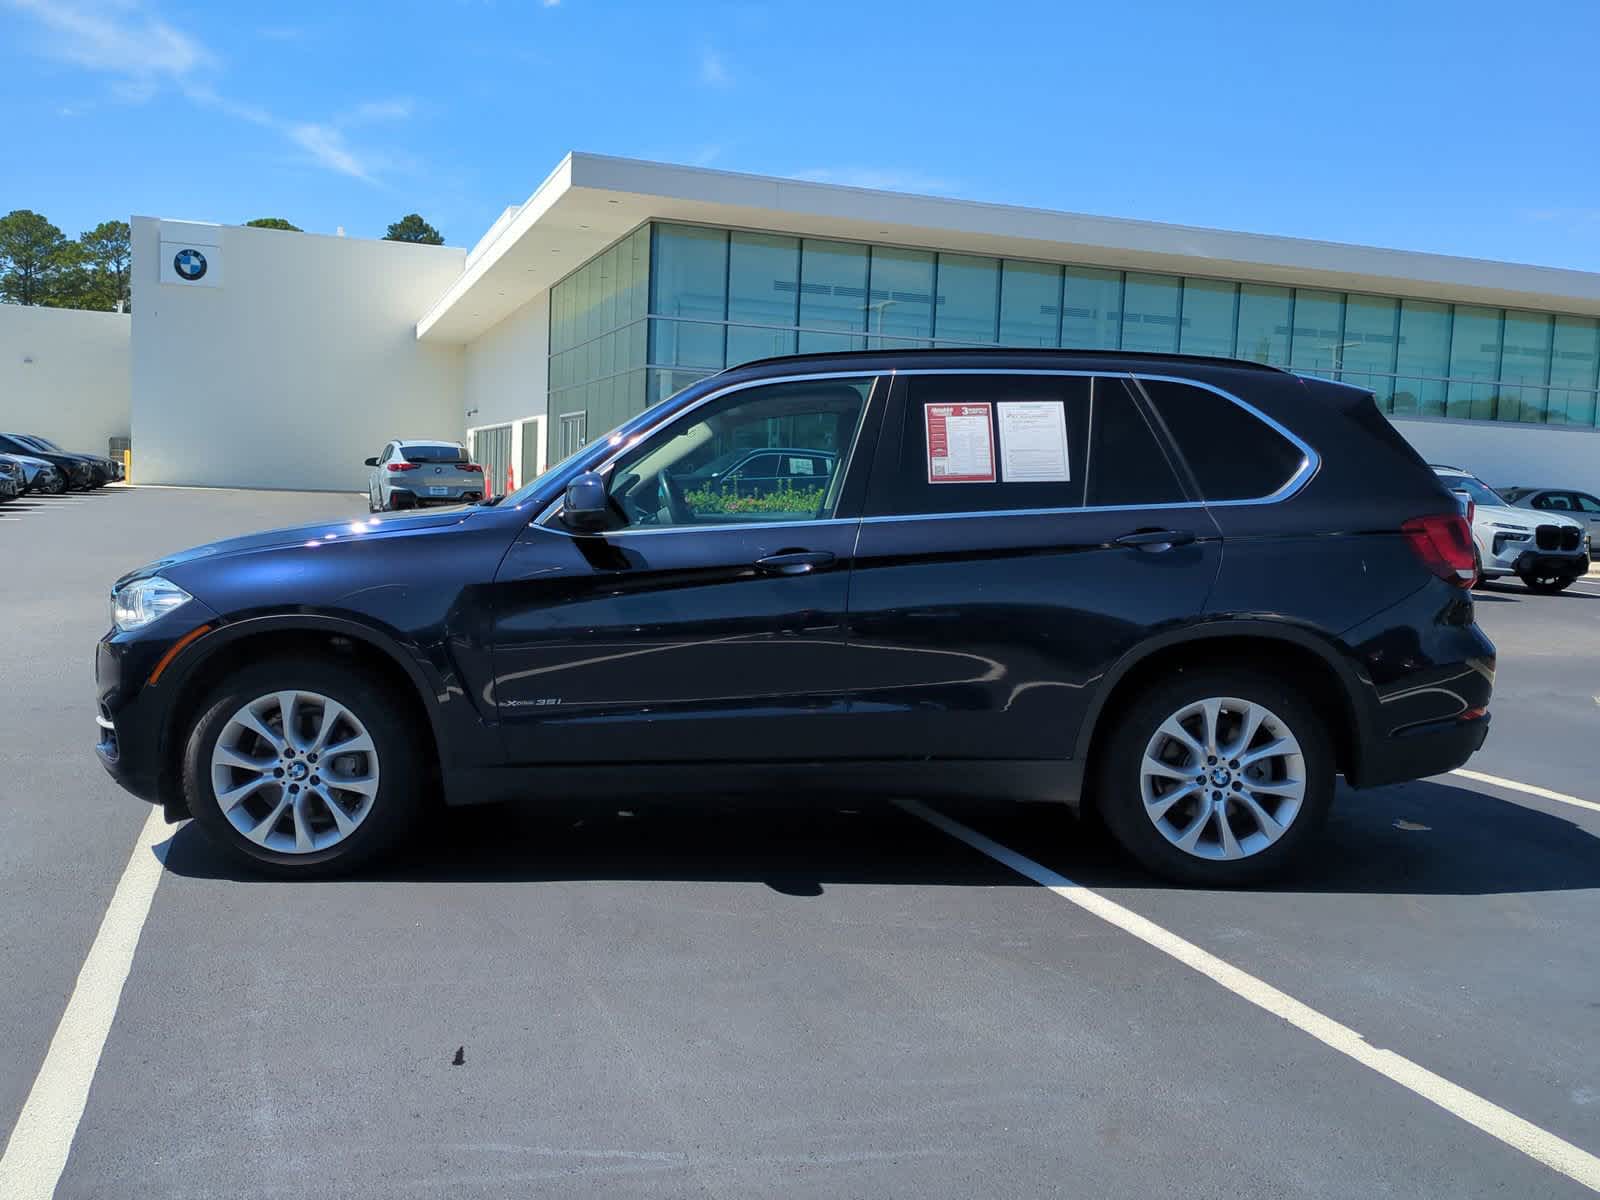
x: 1548, y: 585
x: 1118, y: 790
x: 396, y: 805
x: 60, y: 485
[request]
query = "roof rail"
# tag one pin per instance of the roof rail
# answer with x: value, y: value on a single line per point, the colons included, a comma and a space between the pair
x: 1000, y: 351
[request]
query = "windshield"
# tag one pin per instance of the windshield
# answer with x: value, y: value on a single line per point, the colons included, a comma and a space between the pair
x: 1480, y: 492
x: 433, y: 453
x: 43, y: 443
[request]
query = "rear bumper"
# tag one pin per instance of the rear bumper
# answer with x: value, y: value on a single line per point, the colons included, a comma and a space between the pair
x: 421, y: 498
x: 1422, y: 750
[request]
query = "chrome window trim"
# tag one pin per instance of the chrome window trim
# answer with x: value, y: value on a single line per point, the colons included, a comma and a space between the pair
x: 1310, y: 461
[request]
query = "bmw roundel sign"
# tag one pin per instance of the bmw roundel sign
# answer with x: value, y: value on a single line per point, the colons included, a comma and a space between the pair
x: 189, y: 263
x: 191, y: 254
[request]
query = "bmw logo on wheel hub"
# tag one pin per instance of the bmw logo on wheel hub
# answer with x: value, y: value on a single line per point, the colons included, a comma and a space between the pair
x: 191, y: 264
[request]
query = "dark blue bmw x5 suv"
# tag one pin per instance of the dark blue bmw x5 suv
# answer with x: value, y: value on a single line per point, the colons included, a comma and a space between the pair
x: 1187, y: 592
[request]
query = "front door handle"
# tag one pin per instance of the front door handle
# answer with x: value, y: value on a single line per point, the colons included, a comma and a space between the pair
x: 794, y: 562
x: 1156, y: 540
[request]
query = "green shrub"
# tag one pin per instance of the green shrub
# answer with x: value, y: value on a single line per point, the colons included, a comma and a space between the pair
x: 783, y: 499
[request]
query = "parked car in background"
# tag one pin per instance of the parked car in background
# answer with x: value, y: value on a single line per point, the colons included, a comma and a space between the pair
x: 37, y: 474
x: 755, y: 477
x: 12, y: 482
x: 106, y: 469
x: 1581, y: 506
x: 1546, y: 551
x: 76, y: 469
x: 1186, y: 592
x: 413, y: 474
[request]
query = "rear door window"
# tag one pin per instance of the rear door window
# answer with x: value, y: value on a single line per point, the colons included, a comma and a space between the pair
x: 1234, y: 454
x: 1127, y: 465
x: 975, y: 443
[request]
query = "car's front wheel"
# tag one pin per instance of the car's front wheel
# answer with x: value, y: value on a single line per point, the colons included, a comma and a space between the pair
x: 1216, y: 777
x: 303, y: 768
x: 1547, y: 585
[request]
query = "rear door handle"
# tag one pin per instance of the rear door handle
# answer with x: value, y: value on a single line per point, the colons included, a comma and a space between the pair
x: 1155, y: 540
x: 794, y: 562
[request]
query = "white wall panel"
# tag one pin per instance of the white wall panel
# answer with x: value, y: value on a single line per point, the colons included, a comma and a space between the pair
x: 1507, y: 455
x: 304, y: 364
x: 64, y: 375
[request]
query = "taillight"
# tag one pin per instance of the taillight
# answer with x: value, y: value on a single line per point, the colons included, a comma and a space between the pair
x: 472, y: 467
x: 402, y: 466
x: 1444, y: 544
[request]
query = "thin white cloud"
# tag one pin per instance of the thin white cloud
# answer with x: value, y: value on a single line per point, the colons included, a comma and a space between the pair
x: 397, y: 109
x: 326, y: 145
x: 142, y: 54
x: 115, y: 38
x: 713, y: 71
x: 882, y: 179
x: 552, y: 3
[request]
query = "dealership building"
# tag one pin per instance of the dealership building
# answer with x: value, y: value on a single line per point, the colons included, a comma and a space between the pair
x: 262, y: 358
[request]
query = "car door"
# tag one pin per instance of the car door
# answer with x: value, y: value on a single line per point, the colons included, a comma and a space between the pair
x: 375, y: 479
x: 1586, y: 508
x: 709, y: 624
x: 1022, y: 532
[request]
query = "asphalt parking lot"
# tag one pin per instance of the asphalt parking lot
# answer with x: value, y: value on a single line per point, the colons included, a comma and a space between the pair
x: 730, y: 1002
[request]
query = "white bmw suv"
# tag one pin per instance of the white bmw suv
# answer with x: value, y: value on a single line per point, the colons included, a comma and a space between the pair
x: 1545, y: 550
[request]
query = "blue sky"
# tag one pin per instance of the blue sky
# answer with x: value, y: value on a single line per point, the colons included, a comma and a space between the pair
x: 1460, y: 127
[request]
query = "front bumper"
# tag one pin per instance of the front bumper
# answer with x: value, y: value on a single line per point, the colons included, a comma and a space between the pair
x: 1535, y: 562
x: 131, y: 712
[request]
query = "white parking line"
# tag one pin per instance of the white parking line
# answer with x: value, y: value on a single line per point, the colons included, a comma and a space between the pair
x: 1520, y: 1135
x: 37, y: 1152
x: 1530, y: 789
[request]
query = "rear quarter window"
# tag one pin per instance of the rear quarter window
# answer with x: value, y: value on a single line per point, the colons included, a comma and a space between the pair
x: 1233, y: 453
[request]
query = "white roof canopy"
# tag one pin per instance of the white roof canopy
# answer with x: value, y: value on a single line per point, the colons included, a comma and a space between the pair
x: 589, y: 201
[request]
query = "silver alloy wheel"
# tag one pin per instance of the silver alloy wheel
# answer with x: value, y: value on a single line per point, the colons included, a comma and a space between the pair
x: 294, y: 771
x: 1223, y: 778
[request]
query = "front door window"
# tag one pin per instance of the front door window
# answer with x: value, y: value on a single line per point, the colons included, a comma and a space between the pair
x: 724, y: 463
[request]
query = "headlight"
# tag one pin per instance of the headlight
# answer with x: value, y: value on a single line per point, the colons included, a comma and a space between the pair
x: 144, y: 600
x: 1512, y: 528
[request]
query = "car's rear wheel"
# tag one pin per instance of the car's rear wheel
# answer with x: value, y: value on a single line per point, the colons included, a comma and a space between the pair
x: 59, y: 486
x: 303, y: 768
x: 1216, y: 777
x: 1547, y: 585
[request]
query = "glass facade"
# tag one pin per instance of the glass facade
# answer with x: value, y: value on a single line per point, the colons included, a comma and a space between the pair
x: 671, y: 303
x: 598, y: 338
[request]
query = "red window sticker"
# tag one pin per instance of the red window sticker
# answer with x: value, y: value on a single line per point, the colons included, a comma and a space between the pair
x: 960, y: 442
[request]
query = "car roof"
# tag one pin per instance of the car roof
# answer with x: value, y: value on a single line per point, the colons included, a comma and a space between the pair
x: 404, y: 442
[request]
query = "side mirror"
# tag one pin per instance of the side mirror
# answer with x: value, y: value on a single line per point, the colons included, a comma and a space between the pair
x: 586, y: 508
x: 371, y: 462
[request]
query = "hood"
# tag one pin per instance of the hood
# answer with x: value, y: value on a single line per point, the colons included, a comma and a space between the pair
x: 379, y: 525
x: 1524, y: 518
x: 28, y: 460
